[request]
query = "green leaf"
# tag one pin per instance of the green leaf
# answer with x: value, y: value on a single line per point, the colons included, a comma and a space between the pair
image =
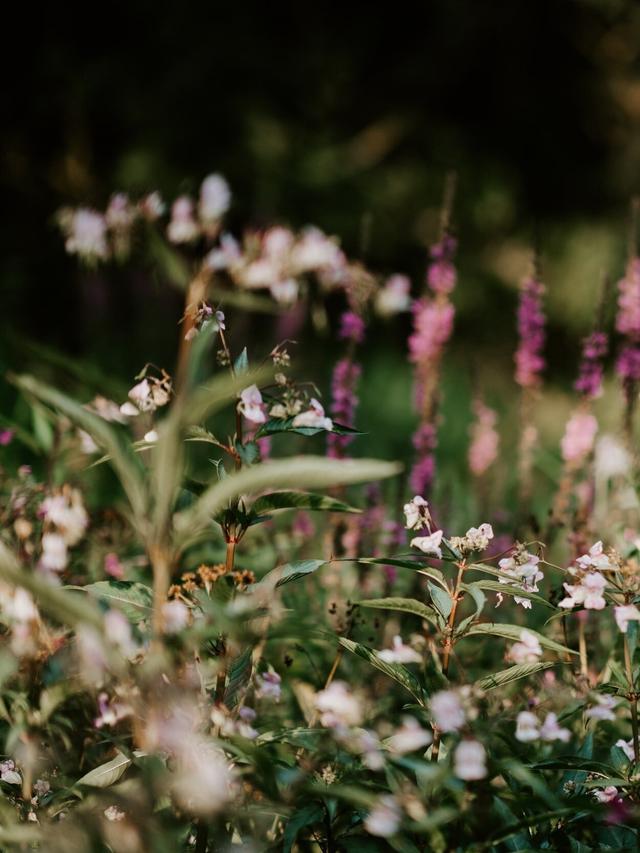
x: 277, y: 425
x: 415, y: 566
x: 574, y: 762
x: 298, y: 569
x: 239, y: 677
x: 508, y: 589
x: 107, y: 774
x: 306, y: 816
x: 396, y: 671
x: 441, y: 599
x: 134, y: 599
x: 513, y: 673
x: 403, y: 605
x: 300, y: 500
x: 475, y: 591
x: 514, y: 632
x: 241, y: 364
x: 307, y: 471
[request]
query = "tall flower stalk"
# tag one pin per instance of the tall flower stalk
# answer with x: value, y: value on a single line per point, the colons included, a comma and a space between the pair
x: 432, y: 327
x: 628, y: 326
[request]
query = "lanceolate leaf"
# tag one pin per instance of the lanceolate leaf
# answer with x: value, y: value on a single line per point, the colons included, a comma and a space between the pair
x: 404, y: 605
x: 277, y: 425
x: 513, y: 673
x: 239, y: 677
x: 306, y: 816
x: 299, y: 569
x: 415, y: 566
x: 134, y: 599
x: 508, y: 589
x: 396, y: 671
x: 514, y: 632
x: 300, y: 500
x: 441, y: 599
x: 107, y: 774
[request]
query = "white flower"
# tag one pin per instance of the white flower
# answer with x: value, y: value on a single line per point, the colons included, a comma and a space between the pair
x: 142, y: 397
x: 624, y: 614
x: 268, y: 686
x: 612, y: 458
x: 409, y: 737
x: 527, y: 727
x: 87, y: 444
x: 429, y: 545
x: 118, y: 630
x: 523, y: 568
x: 21, y: 606
x: 603, y: 709
x: 315, y: 251
x: 417, y: 513
x: 478, y: 538
x: 395, y: 296
x: 338, y: 706
x: 114, y: 814
x: 183, y: 227
x: 152, y: 206
x: 550, y: 730
x: 204, y: 780
x: 447, y: 710
x: 595, y: 558
x: 226, y: 255
x: 119, y: 214
x: 313, y: 417
x: 87, y: 235
x: 528, y: 650
x: 175, y: 616
x: 8, y: 773
x: 384, y: 819
x: 251, y: 405
x: 627, y: 747
x: 54, y: 552
x: 285, y: 291
x: 469, y: 760
x: 215, y: 198
x: 151, y: 437
x: 67, y: 513
x: 606, y: 795
x: 399, y: 653
x: 588, y: 592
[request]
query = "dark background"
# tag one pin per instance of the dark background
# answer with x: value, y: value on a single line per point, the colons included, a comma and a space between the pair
x: 347, y: 116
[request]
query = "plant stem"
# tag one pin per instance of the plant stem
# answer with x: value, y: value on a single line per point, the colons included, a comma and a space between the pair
x: 632, y: 696
x: 161, y: 565
x: 447, y: 648
x: 582, y: 646
x: 221, y: 680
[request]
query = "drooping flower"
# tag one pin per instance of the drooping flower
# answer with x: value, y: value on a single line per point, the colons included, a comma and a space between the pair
x: 627, y: 747
x: 314, y: 417
x: 268, y: 685
x: 588, y: 592
x: 384, y: 818
x: 251, y: 405
x: 469, y: 761
x: 394, y: 297
x: 447, y: 710
x: 86, y: 232
x: 531, y: 330
x: 475, y: 539
x: 596, y: 558
x: 523, y: 568
x: 606, y: 795
x: 528, y: 650
x: 215, y: 199
x: 409, y: 737
x: 527, y: 727
x: 604, y: 707
x: 550, y: 729
x: 183, y: 227
x: 417, y: 513
x: 338, y: 706
x: 399, y: 653
x: 429, y: 545
x: 624, y: 614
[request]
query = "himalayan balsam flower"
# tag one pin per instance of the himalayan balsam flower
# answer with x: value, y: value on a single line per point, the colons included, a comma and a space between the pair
x: 409, y: 737
x: 87, y: 235
x: 447, y: 710
x: 523, y: 568
x: 627, y: 747
x: 183, y: 227
x: 417, y: 514
x: 579, y: 437
x: 399, y: 653
x: 595, y: 559
x: 588, y: 592
x: 394, y: 297
x: 251, y: 405
x: 429, y: 545
x: 344, y: 401
x: 383, y: 820
x: 528, y: 357
x: 624, y: 614
x: 606, y: 795
x: 338, y: 706
x: 268, y: 686
x: 215, y: 199
x: 469, y: 761
x: 603, y: 709
x: 483, y: 449
x: 589, y: 381
x: 314, y: 417
x: 528, y: 650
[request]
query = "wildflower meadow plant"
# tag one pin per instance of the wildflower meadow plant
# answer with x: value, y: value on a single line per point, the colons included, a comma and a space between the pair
x: 242, y: 646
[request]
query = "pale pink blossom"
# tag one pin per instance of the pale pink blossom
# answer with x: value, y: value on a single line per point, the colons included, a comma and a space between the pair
x: 395, y: 296
x: 399, y: 653
x: 523, y: 568
x: 606, y: 795
x: 624, y: 614
x: 429, y: 545
x: 384, y: 819
x: 596, y: 558
x: 579, y: 437
x: 175, y: 616
x: 409, y: 737
x: 469, y: 761
x: 627, y: 747
x: 528, y: 650
x: 215, y: 199
x: 314, y: 417
x: 183, y: 227
x: 417, y: 513
x: 251, y: 405
x: 447, y: 710
x: 483, y: 449
x: 338, y: 706
x: 87, y: 235
x: 588, y: 592
x: 604, y: 707
x: 551, y: 730
x: 527, y: 727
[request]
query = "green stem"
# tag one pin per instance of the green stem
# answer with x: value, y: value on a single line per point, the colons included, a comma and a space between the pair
x: 632, y: 696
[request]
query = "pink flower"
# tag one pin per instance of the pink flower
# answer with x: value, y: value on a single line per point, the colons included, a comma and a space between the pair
x: 251, y: 405
x: 624, y: 614
x: 531, y: 323
x: 432, y: 324
x: 469, y: 761
x: 351, y: 327
x: 579, y: 437
x: 399, y: 653
x: 6, y: 437
x: 87, y: 235
x: 587, y: 592
x: 429, y: 545
x: 215, y: 199
x: 183, y: 227
x: 346, y: 375
x: 314, y: 417
x: 483, y: 449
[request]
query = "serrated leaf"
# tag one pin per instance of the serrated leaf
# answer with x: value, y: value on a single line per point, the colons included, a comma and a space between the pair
x: 403, y: 605
x: 239, y: 677
x: 513, y: 673
x: 514, y: 632
x: 300, y: 500
x: 396, y: 671
x: 277, y: 425
x: 134, y: 599
x: 441, y: 599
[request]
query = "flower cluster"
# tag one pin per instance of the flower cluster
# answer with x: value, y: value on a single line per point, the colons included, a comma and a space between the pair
x: 531, y: 330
